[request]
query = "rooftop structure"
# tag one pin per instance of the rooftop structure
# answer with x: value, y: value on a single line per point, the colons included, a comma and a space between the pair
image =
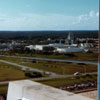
x: 70, y: 39
x: 29, y: 90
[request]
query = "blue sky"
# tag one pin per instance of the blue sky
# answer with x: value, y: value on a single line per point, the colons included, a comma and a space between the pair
x: 49, y: 14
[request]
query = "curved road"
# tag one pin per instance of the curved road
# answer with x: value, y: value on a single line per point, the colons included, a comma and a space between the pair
x: 52, y: 76
x: 25, y: 67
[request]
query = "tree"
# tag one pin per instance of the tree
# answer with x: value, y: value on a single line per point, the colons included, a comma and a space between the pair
x: 48, y: 49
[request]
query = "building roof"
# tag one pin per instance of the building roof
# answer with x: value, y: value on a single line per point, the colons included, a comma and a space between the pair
x: 30, y: 90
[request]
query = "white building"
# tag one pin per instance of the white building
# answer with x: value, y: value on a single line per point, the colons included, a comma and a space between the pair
x: 4, y: 47
x: 61, y: 48
x: 70, y: 50
x: 29, y: 90
x: 31, y: 47
x: 56, y: 45
x: 39, y: 47
x: 36, y: 47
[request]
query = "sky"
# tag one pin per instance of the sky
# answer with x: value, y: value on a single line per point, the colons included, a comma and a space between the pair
x: 30, y: 15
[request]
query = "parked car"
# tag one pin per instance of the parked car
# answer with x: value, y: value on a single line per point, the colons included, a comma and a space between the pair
x: 76, y: 74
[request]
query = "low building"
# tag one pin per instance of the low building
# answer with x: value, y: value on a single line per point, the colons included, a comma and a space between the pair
x: 39, y: 47
x: 31, y: 47
x: 4, y: 47
x: 36, y: 47
x: 57, y: 45
x: 69, y: 50
x: 61, y: 48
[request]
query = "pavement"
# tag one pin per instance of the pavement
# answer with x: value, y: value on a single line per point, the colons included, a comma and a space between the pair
x: 53, y: 60
x: 24, y: 67
x: 91, y: 94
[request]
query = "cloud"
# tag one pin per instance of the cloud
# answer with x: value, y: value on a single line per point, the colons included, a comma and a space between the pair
x: 31, y: 21
x: 92, y: 13
x: 37, y: 21
x: 97, y: 14
x: 87, y: 21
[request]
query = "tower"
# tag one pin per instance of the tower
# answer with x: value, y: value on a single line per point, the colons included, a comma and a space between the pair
x: 70, y: 39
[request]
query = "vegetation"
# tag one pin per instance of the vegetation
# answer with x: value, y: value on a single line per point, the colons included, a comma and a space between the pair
x: 70, y: 81
x: 42, y: 35
x: 59, y: 82
x: 68, y: 56
x: 3, y: 89
x: 9, y: 72
x: 32, y: 74
x: 63, y: 68
x: 48, y: 50
x: 59, y: 68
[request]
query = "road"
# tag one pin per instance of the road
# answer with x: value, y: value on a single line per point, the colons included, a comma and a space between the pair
x: 47, y: 78
x: 52, y: 76
x: 25, y: 67
x: 53, y: 60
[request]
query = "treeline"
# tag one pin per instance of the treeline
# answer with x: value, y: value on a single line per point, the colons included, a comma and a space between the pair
x: 42, y: 35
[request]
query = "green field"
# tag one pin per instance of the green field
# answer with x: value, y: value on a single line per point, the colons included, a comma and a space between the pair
x: 69, y: 81
x: 59, y: 82
x: 9, y: 72
x: 72, y: 56
x: 63, y: 68
x: 15, y: 60
x: 3, y: 89
x: 59, y: 68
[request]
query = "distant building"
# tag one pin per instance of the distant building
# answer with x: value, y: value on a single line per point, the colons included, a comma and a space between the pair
x: 61, y: 48
x: 70, y: 39
x: 39, y: 47
x: 4, y: 47
x: 31, y: 47
x: 57, y: 45
x: 68, y: 47
x: 70, y: 50
x: 36, y: 47
x: 15, y: 45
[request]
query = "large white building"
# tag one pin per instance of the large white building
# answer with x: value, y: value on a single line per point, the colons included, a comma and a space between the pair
x: 69, y: 47
x: 70, y: 50
x: 36, y: 47
x: 29, y: 90
x: 61, y: 48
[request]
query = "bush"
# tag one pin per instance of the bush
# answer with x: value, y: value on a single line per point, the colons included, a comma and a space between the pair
x: 33, y: 74
x: 70, y: 54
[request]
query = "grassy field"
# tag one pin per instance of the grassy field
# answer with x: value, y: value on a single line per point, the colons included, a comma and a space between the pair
x: 59, y: 68
x: 3, y: 89
x: 73, y: 56
x: 63, y: 68
x: 9, y: 72
x: 15, y: 60
x: 69, y: 81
